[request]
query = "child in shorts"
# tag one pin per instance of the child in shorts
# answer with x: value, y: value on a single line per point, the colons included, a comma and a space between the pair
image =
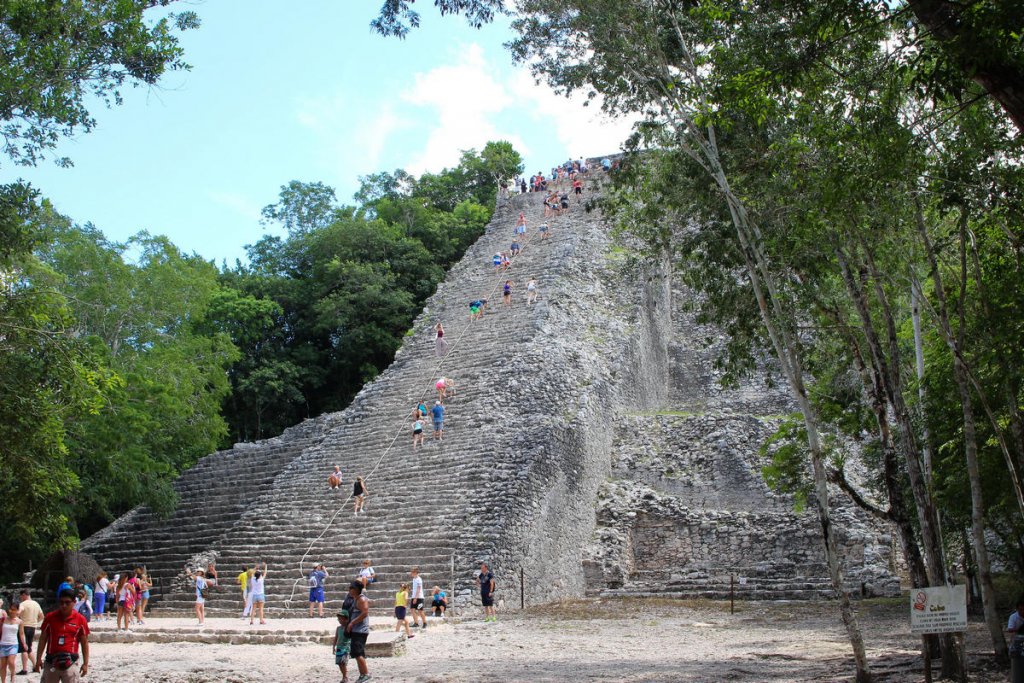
x: 401, y: 605
x: 341, y: 645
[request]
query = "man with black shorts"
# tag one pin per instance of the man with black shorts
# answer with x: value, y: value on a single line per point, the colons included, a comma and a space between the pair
x: 359, y: 628
x: 31, y: 615
x: 416, y: 599
x: 485, y: 579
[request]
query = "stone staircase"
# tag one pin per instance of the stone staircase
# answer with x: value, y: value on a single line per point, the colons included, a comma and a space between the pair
x: 505, y: 485
x: 559, y: 464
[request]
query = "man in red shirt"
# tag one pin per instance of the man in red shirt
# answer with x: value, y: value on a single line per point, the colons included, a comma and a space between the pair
x: 63, y: 630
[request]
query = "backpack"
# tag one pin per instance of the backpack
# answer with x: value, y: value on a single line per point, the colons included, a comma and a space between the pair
x: 312, y: 580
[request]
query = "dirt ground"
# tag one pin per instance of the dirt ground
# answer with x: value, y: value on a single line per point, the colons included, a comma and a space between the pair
x: 611, y: 640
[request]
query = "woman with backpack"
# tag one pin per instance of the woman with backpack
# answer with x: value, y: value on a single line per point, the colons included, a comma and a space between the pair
x: 202, y: 588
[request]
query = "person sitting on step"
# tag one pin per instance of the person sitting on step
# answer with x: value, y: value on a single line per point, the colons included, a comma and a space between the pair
x: 439, y: 601
x: 334, y: 479
x: 367, y: 575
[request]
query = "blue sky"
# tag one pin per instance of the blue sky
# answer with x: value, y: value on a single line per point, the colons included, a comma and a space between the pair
x: 302, y: 90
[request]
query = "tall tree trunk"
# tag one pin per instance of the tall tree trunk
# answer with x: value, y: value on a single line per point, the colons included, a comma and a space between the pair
x: 701, y: 144
x: 963, y: 384
x: 897, y: 514
x: 887, y: 377
x: 926, y: 437
x: 788, y: 353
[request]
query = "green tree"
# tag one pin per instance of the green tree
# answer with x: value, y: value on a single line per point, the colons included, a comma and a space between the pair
x: 58, y: 55
x: 48, y: 376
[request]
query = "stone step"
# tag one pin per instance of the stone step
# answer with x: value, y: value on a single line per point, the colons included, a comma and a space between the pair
x: 382, y: 642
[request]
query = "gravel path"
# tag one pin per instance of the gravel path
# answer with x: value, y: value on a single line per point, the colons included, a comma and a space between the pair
x: 612, y: 640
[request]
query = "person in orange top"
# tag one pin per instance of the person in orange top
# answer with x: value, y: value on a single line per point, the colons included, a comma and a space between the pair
x: 64, y: 630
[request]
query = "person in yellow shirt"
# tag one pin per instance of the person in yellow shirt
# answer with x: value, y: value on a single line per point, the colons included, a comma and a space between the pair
x: 243, y: 582
x: 401, y: 603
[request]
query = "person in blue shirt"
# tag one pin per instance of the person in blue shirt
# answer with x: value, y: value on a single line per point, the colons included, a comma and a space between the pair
x: 67, y: 584
x: 316, y: 589
x: 437, y: 412
x: 439, y: 601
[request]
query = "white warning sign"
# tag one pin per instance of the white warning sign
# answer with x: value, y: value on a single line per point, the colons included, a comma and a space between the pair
x: 942, y: 609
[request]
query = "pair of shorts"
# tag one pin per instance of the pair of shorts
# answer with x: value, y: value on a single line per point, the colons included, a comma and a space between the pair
x: 145, y: 595
x: 340, y: 658
x: 487, y: 600
x: 400, y: 613
x: 417, y: 604
x: 417, y: 431
x: 579, y: 190
x: 258, y: 597
x: 474, y: 309
x: 8, y: 650
x: 316, y: 594
x: 358, y: 647
x: 438, y: 425
x: 200, y: 601
x: 543, y: 228
x: 30, y: 634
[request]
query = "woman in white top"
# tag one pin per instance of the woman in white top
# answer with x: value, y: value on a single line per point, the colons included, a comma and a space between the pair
x: 531, y: 291
x: 99, y: 595
x: 258, y: 592
x: 367, y: 575
x: 12, y: 634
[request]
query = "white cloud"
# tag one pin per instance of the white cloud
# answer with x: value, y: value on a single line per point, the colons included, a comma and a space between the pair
x: 458, y: 105
x: 465, y: 97
x: 469, y: 94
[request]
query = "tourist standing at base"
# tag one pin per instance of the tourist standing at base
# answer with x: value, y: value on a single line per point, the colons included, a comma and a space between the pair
x: 359, y: 628
x: 416, y: 599
x: 316, y: 589
x: 125, y: 602
x: 1015, y: 624
x: 258, y: 593
x: 144, y: 584
x: 401, y: 602
x: 64, y: 631
x: 12, y: 641
x: 342, y: 644
x: 247, y: 591
x: 485, y: 579
x: 202, y: 590
x: 99, y: 596
x: 31, y: 615
x: 243, y: 579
